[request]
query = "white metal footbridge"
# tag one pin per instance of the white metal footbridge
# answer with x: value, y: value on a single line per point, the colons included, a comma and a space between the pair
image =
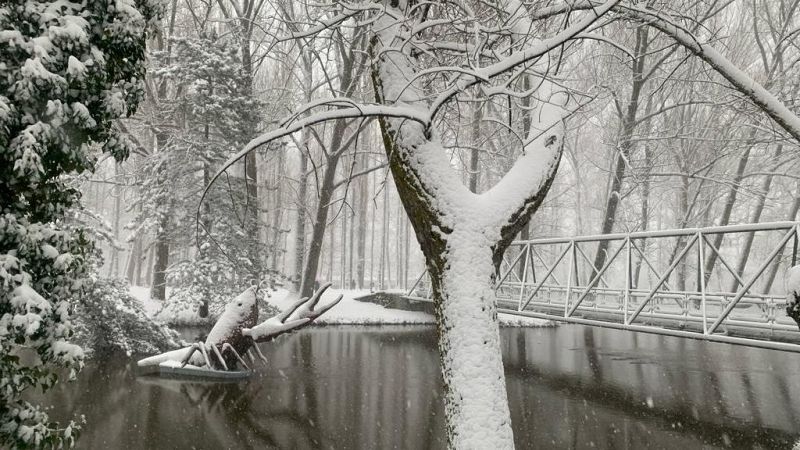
x: 688, y: 282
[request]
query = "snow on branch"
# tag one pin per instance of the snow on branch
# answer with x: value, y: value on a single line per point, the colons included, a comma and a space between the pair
x: 294, y: 124
x: 742, y: 82
x: 526, y: 55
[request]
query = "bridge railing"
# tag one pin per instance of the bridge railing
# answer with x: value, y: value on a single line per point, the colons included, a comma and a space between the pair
x: 694, y: 280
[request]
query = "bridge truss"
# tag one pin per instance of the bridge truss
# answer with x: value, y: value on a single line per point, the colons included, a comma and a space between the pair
x: 688, y: 282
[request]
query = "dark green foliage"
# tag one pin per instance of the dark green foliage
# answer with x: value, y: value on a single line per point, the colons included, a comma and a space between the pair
x: 68, y: 70
x: 110, y: 320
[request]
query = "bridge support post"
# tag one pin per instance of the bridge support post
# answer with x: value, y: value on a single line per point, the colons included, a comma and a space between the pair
x: 701, y: 257
x: 572, y: 267
x: 628, y: 281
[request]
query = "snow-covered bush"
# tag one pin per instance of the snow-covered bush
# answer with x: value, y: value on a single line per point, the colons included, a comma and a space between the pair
x: 201, y: 288
x: 207, y: 112
x: 108, y: 319
x: 68, y: 71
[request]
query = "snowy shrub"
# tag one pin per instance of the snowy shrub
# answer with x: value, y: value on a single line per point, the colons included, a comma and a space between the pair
x: 68, y: 71
x: 108, y: 319
x: 202, y: 287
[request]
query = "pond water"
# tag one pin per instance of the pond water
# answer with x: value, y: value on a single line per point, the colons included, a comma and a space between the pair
x: 380, y: 388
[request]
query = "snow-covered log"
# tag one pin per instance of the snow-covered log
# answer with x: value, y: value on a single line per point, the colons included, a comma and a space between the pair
x: 236, y: 331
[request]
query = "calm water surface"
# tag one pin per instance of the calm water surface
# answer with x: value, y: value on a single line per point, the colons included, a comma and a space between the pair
x: 380, y: 388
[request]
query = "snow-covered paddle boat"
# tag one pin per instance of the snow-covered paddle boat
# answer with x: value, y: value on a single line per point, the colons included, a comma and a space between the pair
x: 236, y: 333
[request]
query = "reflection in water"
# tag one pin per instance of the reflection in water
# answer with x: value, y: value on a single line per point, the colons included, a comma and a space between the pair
x: 613, y: 389
x: 378, y: 388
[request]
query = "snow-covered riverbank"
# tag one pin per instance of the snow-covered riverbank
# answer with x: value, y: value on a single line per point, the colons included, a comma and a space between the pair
x: 349, y: 311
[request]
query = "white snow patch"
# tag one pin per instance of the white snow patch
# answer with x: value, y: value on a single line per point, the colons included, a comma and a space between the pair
x: 49, y: 251
x: 235, y: 314
x: 352, y: 312
x: 142, y: 293
x: 75, y: 67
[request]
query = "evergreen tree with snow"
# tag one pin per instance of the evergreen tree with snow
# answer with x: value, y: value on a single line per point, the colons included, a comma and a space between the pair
x: 68, y: 71
x: 205, y: 113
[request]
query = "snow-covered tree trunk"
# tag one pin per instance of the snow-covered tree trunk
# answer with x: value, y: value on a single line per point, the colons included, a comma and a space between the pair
x: 469, y: 344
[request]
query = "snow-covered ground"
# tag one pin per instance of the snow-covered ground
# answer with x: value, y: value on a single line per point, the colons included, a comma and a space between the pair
x: 142, y: 293
x: 348, y: 311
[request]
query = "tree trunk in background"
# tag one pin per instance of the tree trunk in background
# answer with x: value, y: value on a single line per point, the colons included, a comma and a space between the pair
x: 277, y: 217
x: 161, y: 247
x: 382, y: 265
x: 625, y: 147
x: 351, y: 280
x: 148, y: 276
x: 113, y: 268
x: 302, y: 180
x: 159, y: 286
x: 645, y: 215
x: 140, y: 263
x: 347, y: 85
x: 473, y: 152
x: 343, y: 256
x: 300, y: 220
x: 398, y: 245
x: 326, y: 190
x: 331, y: 247
x: 684, y: 211
x: 252, y: 226
x: 372, y: 237
x: 133, y: 269
x: 387, y: 231
x: 363, y: 205
x: 754, y: 218
x: 725, y: 217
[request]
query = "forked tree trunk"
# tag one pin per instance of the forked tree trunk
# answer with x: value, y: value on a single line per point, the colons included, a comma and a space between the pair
x: 462, y: 261
x: 462, y: 235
